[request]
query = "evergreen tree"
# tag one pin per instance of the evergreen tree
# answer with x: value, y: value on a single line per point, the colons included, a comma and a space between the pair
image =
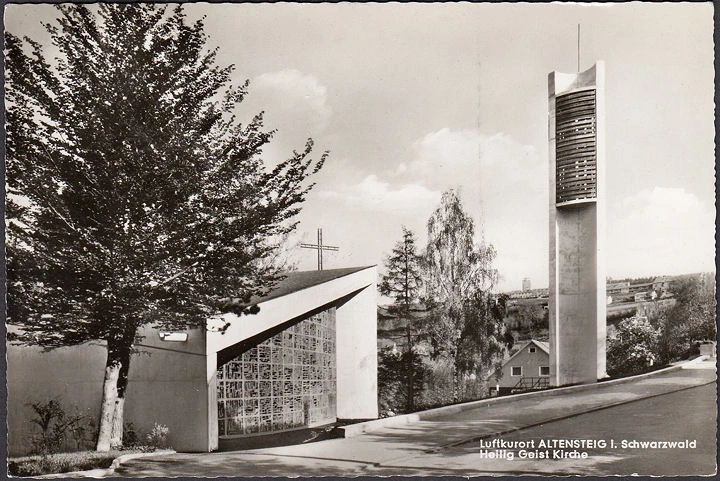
x: 135, y: 197
x: 402, y: 283
x: 467, y: 325
x: 393, y: 368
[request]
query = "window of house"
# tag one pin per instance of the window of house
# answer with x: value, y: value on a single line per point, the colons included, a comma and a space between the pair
x: 532, y: 349
x: 544, y: 371
x: 516, y: 371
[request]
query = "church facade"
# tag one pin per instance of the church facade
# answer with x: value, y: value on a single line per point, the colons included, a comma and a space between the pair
x: 307, y: 358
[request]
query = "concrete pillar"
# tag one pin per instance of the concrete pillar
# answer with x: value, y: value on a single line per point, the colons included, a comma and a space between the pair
x: 212, y: 401
x: 577, y: 226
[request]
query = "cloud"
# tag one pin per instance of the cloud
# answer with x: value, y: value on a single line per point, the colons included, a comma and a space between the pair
x: 655, y: 204
x: 364, y: 218
x: 503, y: 185
x: 371, y: 194
x: 295, y: 105
x: 448, y: 157
x: 480, y: 166
x: 661, y: 230
x: 291, y: 99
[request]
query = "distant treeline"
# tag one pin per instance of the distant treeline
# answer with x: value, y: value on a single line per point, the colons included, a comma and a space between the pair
x: 644, y: 280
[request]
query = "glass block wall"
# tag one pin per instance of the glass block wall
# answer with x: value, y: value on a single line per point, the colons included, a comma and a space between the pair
x: 285, y: 382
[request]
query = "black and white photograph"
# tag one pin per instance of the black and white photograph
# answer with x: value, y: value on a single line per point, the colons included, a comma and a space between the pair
x: 360, y: 239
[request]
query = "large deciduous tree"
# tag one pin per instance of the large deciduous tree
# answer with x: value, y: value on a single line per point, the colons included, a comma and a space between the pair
x: 690, y: 320
x: 135, y: 197
x: 402, y: 282
x: 467, y: 327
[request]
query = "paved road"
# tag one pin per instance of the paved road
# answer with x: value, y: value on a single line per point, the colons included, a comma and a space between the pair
x: 674, y: 406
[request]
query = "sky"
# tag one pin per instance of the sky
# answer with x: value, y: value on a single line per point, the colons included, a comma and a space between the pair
x: 414, y: 99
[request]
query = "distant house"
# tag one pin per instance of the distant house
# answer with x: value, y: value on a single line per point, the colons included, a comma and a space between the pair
x: 641, y: 287
x: 527, y: 369
x: 529, y: 294
x: 645, y: 296
x: 707, y: 348
x: 661, y: 284
x: 617, y: 288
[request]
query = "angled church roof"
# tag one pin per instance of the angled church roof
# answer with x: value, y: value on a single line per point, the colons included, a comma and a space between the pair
x: 297, y: 295
x: 295, y: 281
x: 299, y: 280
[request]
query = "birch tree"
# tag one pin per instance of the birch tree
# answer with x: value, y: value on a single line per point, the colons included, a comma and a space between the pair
x: 467, y: 323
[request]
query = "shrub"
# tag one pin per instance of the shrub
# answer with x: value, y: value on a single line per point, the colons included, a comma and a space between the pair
x: 389, y: 402
x: 158, y: 436
x: 60, y: 463
x: 130, y: 437
x: 54, y: 424
x: 632, y: 347
x: 439, y: 384
x: 84, y: 434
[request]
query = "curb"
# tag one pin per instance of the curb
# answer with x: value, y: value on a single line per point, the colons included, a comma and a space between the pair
x: 353, y: 430
x: 101, y: 473
x: 127, y: 457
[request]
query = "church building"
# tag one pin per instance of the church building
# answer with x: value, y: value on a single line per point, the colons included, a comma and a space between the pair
x: 307, y: 358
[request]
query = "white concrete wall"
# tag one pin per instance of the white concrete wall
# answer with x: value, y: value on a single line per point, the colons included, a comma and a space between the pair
x: 212, y: 400
x: 356, y: 324
x: 577, y: 301
x: 167, y: 385
x: 575, y: 298
x: 601, y: 213
x: 72, y: 375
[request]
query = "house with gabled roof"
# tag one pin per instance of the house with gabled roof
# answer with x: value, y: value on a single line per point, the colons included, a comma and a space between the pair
x: 527, y: 369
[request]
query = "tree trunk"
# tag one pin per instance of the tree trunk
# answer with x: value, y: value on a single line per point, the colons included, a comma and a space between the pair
x: 109, y: 401
x: 456, y: 384
x: 410, y: 407
x: 116, y: 435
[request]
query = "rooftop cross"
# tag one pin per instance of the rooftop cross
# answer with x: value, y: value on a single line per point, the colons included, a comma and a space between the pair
x: 320, y: 248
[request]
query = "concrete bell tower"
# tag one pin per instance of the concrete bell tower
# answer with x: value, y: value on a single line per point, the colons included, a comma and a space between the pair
x: 577, y: 303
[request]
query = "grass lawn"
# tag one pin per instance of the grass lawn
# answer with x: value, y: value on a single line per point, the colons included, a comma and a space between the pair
x: 63, y: 462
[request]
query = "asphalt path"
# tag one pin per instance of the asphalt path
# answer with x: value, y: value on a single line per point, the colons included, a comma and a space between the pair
x: 687, y: 415
x: 676, y: 406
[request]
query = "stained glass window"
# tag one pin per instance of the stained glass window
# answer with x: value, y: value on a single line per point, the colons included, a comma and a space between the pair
x: 285, y: 382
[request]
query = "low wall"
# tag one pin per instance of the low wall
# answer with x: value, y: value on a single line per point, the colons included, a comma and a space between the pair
x: 167, y: 385
x: 72, y: 375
